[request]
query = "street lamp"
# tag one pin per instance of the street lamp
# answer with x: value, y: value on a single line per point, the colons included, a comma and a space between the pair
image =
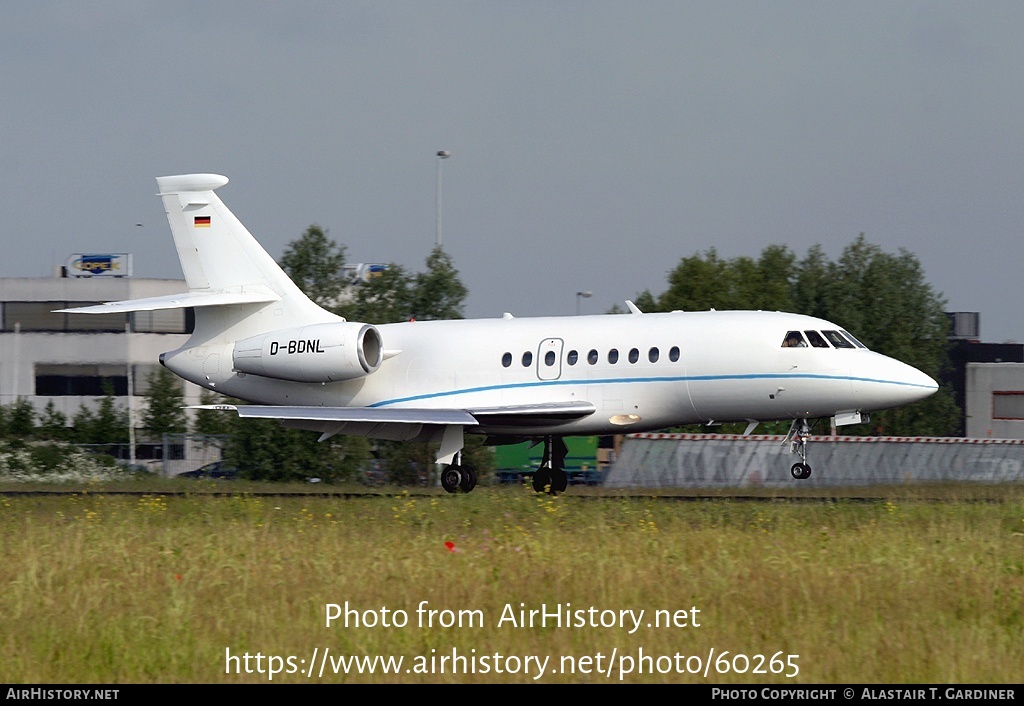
x: 579, y: 296
x: 441, y: 156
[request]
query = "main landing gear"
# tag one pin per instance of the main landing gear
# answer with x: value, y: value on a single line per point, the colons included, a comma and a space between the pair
x: 456, y: 477
x: 799, y: 435
x: 551, y: 476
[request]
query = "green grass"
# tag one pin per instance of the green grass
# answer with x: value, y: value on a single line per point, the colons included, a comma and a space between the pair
x: 108, y: 588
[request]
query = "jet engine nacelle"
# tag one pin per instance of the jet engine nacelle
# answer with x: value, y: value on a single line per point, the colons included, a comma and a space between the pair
x: 315, y: 353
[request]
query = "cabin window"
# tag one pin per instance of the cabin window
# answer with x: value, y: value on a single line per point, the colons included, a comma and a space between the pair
x: 793, y: 339
x: 613, y: 356
x: 506, y: 360
x: 527, y: 359
x: 652, y: 355
x: 634, y: 355
x: 592, y: 357
x: 673, y: 354
x: 549, y: 358
x: 837, y: 340
x: 816, y: 340
x: 572, y: 358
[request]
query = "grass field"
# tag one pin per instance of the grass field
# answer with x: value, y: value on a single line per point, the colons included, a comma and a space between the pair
x: 107, y: 588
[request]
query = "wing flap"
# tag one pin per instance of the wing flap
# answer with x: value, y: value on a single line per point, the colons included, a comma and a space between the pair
x: 534, y: 414
x: 366, y: 415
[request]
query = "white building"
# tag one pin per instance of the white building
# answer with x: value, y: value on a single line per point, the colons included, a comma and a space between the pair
x: 995, y: 400
x: 72, y: 359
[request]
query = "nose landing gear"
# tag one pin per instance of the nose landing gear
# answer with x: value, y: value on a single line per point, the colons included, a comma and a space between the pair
x: 797, y: 438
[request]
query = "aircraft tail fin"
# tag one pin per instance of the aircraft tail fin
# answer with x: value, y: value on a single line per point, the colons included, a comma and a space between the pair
x: 235, y: 286
x: 222, y: 260
x: 217, y: 252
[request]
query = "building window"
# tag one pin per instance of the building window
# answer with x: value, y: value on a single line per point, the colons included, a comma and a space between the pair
x: 162, y: 321
x: 81, y: 380
x: 1008, y: 405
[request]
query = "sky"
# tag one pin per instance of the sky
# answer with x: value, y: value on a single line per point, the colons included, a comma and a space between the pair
x: 593, y: 144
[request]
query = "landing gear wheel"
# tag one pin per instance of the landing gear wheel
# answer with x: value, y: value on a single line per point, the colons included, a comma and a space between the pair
x: 452, y: 479
x: 468, y: 479
x: 559, y: 480
x: 542, y: 479
x: 801, y: 471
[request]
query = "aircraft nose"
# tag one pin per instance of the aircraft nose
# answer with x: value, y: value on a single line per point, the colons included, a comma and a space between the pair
x: 885, y: 382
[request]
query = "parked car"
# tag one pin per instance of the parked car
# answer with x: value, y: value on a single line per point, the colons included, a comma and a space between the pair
x: 217, y: 469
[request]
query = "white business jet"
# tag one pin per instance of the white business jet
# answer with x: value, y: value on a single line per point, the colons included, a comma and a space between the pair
x: 257, y: 337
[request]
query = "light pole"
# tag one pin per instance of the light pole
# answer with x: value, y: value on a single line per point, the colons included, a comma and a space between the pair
x: 441, y: 156
x: 579, y: 296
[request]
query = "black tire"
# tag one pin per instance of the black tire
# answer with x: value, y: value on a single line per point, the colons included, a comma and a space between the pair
x: 542, y: 479
x: 800, y: 471
x: 468, y: 479
x: 451, y: 478
x: 559, y: 480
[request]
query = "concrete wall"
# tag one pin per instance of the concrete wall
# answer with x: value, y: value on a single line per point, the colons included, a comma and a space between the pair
x: 711, y: 460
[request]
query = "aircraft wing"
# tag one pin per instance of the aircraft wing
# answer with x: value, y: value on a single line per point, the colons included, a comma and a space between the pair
x: 404, y: 423
x: 492, y: 416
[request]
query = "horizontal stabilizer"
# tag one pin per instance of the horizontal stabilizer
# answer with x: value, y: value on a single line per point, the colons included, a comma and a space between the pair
x: 177, y: 301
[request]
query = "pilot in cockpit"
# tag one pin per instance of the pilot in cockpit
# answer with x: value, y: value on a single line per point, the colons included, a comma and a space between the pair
x: 794, y: 340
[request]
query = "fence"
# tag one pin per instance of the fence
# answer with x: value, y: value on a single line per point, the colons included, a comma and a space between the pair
x: 189, y: 452
x: 721, y: 460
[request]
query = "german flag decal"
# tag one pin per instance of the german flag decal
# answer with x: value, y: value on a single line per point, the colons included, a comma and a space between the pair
x: 202, y: 221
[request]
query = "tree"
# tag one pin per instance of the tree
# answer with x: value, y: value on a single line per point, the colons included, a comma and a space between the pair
x: 697, y: 284
x: 108, y: 425
x: 53, y: 424
x: 881, y: 298
x: 438, y: 293
x: 315, y: 263
x: 264, y: 450
x: 164, y: 405
x: 885, y: 301
x: 214, y: 422
x: 385, y: 299
x: 21, y: 419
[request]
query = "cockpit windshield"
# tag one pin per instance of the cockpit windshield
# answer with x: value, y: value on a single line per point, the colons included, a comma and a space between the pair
x: 816, y: 340
x: 855, y: 341
x: 820, y: 339
x: 837, y: 339
x: 793, y: 339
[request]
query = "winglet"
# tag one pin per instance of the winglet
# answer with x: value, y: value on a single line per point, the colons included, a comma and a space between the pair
x: 633, y: 308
